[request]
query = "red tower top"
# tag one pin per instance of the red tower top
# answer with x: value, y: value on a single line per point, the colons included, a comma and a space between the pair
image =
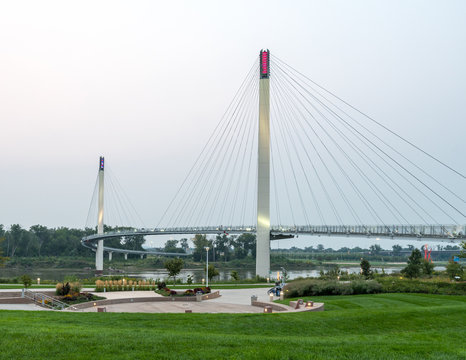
x: 101, y: 163
x: 264, y: 59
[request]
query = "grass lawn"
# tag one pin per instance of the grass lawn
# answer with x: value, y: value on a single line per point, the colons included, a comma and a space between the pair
x: 383, y: 326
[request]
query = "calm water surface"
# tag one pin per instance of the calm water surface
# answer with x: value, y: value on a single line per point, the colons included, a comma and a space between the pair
x: 198, y: 274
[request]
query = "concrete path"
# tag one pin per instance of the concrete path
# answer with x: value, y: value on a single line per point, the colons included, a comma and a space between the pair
x: 230, y: 301
x: 29, y: 307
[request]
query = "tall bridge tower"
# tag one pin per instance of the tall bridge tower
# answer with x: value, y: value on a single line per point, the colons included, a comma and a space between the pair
x: 99, y: 254
x: 263, y: 179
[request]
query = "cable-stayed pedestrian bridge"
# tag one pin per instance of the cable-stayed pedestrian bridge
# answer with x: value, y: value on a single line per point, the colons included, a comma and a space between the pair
x: 447, y: 233
x: 288, y: 151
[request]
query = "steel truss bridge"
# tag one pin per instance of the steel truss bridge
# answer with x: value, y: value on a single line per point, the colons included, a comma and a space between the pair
x: 444, y: 233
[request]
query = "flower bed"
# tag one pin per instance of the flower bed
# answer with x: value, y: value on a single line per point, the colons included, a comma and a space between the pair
x: 125, y: 285
x: 190, y: 292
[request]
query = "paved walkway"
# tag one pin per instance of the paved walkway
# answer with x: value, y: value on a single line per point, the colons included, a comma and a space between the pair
x: 230, y: 301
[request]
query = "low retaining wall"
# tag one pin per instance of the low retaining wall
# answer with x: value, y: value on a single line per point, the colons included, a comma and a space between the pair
x: 316, y: 307
x: 274, y: 306
x: 214, y: 295
x: 133, y: 300
x: 98, y: 303
x: 16, y: 300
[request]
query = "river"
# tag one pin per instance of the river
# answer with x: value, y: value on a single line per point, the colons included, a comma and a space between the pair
x: 197, y: 274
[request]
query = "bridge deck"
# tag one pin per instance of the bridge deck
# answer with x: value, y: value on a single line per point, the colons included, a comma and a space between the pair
x: 449, y: 233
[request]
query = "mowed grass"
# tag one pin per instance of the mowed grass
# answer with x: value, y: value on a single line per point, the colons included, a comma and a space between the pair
x: 383, y: 326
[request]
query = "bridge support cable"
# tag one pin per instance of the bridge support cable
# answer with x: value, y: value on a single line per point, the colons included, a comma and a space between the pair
x: 365, y: 159
x: 198, y: 163
x: 119, y: 210
x: 338, y: 164
x: 395, y: 161
x: 232, y: 168
x: 385, y: 174
x: 298, y: 135
x: 243, y: 154
x: 290, y: 115
x: 222, y: 167
x: 129, y: 214
x: 283, y: 132
x: 202, y: 180
x: 372, y: 133
x: 213, y: 179
x: 92, y: 212
x: 326, y: 113
x: 373, y: 146
x: 371, y: 119
x: 374, y: 188
x: 302, y: 131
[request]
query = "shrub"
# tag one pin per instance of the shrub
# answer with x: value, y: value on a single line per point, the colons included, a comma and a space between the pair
x: 366, y: 269
x: 26, y: 280
x: 75, y: 288
x: 314, y: 287
x: 234, y: 275
x: 427, y: 267
x: 62, y: 289
x: 454, y: 269
x: 413, y: 270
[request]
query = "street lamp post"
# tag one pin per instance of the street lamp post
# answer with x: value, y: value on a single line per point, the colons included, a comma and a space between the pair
x: 207, y: 267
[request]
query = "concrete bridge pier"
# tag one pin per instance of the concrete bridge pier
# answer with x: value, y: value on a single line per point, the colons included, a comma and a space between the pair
x: 110, y: 254
x: 142, y: 256
x: 126, y: 256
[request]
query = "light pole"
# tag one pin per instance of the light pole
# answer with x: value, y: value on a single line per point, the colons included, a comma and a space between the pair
x: 207, y: 267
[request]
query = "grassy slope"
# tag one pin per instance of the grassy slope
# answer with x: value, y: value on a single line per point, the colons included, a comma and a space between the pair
x: 386, y: 326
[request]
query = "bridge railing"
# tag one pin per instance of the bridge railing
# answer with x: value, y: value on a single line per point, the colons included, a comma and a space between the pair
x: 44, y: 300
x: 412, y: 231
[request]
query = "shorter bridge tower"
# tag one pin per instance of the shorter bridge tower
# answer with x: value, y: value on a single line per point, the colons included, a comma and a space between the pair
x: 99, y: 254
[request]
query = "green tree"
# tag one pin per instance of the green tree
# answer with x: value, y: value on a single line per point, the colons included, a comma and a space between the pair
x: 222, y: 243
x: 42, y: 234
x: 463, y: 249
x: 26, y: 280
x: 244, y: 244
x: 234, y: 275
x: 184, y: 244
x: 200, y: 243
x: 366, y: 269
x: 375, y: 249
x: 413, y: 270
x: 2, y: 258
x: 14, y: 237
x: 174, y: 267
x: 170, y: 246
x: 134, y: 242
x: 396, y: 249
x: 212, y: 272
x: 427, y: 267
x: 454, y: 269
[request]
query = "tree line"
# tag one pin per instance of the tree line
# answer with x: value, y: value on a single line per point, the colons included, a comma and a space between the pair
x: 40, y: 240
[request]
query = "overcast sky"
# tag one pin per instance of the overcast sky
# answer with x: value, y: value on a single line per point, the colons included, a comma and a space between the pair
x: 144, y: 83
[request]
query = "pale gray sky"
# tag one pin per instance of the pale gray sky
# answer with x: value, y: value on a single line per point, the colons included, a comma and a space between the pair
x: 145, y: 82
